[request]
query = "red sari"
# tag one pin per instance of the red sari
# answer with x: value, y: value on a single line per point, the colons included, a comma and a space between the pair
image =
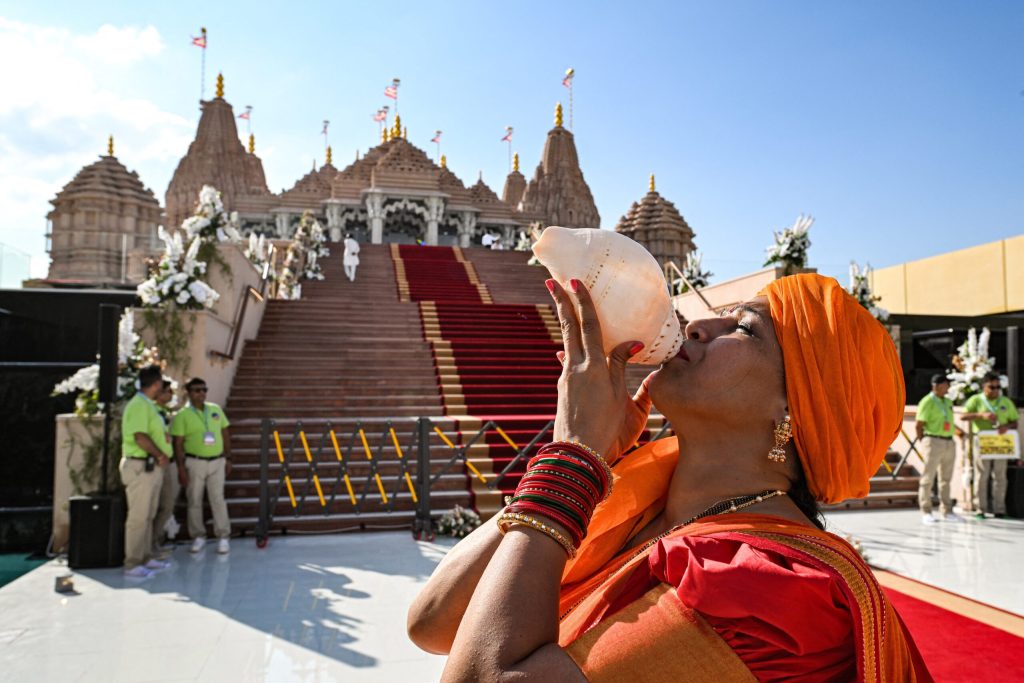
x: 736, y: 597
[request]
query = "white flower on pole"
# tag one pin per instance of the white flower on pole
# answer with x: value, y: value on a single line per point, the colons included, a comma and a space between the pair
x: 970, y: 365
x: 791, y: 245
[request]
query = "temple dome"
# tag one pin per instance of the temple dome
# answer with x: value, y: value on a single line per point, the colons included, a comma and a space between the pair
x: 216, y: 157
x: 97, y: 219
x: 558, y: 192
x: 656, y: 223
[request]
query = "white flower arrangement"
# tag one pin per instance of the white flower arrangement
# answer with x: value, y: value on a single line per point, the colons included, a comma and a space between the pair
x: 791, y: 245
x: 970, y: 364
x: 178, y: 279
x: 860, y: 288
x: 132, y: 355
x: 458, y: 522
x: 693, y: 272
x: 210, y: 222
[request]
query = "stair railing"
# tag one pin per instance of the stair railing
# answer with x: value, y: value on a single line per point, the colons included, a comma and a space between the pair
x: 672, y: 269
x: 294, y: 455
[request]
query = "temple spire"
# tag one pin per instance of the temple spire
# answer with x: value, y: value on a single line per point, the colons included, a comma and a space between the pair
x: 558, y: 115
x: 252, y: 143
x: 515, y: 162
x: 110, y: 146
x: 652, y: 183
x: 220, y: 86
x: 396, y: 132
x: 444, y: 161
x: 328, y: 154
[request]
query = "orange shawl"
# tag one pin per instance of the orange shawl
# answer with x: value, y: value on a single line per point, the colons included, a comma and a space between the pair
x: 606, y: 645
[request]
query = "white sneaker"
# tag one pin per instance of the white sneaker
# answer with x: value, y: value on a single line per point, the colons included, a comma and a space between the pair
x: 223, y: 547
x: 929, y: 519
x: 138, y: 572
x: 157, y: 565
x: 198, y: 544
x: 952, y: 517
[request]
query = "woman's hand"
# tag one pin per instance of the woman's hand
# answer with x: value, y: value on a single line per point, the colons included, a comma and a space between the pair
x: 594, y: 406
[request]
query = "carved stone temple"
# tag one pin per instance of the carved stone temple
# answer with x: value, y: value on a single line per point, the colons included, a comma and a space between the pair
x: 657, y: 224
x: 104, y: 222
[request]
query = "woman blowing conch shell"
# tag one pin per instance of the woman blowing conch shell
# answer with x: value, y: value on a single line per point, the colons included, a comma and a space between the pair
x: 699, y: 557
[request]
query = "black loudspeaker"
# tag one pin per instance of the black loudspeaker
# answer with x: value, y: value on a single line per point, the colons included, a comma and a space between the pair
x: 97, y: 532
x: 109, y: 315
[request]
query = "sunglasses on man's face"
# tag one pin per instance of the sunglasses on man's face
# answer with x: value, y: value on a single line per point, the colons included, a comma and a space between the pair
x: 198, y: 390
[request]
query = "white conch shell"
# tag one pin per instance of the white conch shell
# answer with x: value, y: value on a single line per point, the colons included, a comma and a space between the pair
x: 625, y: 282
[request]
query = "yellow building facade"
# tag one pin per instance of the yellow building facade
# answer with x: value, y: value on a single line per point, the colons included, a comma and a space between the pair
x: 984, y: 280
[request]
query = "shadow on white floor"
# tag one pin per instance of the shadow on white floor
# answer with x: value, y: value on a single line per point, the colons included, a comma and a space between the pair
x: 324, y: 608
x: 332, y: 608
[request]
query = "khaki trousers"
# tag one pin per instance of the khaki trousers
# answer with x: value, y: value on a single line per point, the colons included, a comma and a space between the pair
x: 996, y: 471
x: 939, y: 457
x: 169, y: 490
x: 142, y: 489
x: 206, y: 475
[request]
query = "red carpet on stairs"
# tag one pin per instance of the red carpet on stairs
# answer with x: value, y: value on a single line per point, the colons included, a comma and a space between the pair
x: 959, y: 639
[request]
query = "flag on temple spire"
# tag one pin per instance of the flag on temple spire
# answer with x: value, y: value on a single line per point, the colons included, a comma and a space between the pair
x: 324, y: 131
x: 508, y: 134
x: 245, y: 115
x: 201, y: 40
x: 567, y: 81
x: 437, y: 137
x: 380, y: 115
x: 391, y: 91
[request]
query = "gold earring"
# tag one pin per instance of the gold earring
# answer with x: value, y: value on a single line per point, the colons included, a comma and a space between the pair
x: 783, y: 433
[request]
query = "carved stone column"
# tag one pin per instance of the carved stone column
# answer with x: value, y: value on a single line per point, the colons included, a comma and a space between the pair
x: 334, y: 226
x: 435, y: 212
x: 282, y: 224
x: 375, y: 212
x: 468, y: 229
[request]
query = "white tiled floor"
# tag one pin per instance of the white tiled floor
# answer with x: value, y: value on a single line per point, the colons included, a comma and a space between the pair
x: 983, y: 560
x: 325, y: 608
x: 332, y: 608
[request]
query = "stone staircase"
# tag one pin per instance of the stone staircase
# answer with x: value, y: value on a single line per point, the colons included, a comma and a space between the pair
x: 461, y: 336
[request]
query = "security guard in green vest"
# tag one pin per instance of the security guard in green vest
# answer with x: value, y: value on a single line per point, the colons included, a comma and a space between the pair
x: 935, y: 442
x: 202, y: 444
x: 145, y: 451
x: 990, y: 410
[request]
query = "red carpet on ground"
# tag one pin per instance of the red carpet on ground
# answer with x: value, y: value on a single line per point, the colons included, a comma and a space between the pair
x: 959, y: 639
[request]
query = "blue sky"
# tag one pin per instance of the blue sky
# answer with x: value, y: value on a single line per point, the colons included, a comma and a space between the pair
x: 897, y: 125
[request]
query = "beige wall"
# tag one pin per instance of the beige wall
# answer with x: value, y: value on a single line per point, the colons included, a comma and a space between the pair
x: 728, y: 293
x: 982, y: 280
x: 211, y: 331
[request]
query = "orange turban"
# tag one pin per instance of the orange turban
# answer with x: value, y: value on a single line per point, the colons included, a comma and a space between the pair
x: 844, y: 383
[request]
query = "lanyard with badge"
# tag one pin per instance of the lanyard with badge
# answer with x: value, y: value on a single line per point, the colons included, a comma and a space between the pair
x: 208, y: 438
x: 991, y: 408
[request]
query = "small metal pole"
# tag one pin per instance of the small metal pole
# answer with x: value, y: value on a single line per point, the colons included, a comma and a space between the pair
x: 263, y: 516
x: 423, y: 523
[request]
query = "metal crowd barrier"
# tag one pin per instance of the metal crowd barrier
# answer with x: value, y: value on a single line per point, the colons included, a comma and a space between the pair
x: 306, y: 452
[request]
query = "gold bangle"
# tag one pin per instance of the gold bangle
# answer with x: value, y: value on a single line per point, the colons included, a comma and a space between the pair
x: 510, y: 519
